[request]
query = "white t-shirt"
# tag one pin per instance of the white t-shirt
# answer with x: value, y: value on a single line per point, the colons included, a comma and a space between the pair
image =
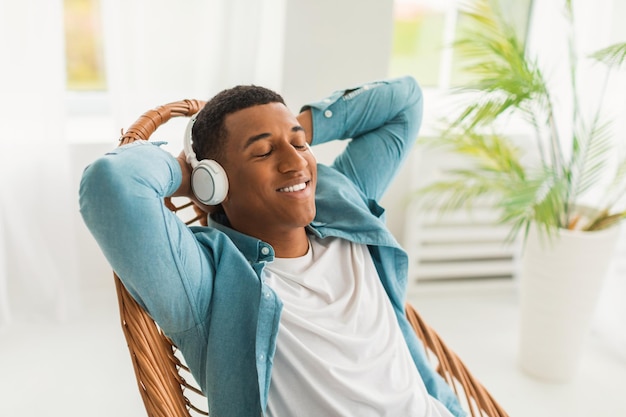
x: 340, y: 351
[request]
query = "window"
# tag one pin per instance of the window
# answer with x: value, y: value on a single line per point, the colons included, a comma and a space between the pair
x: 85, y: 69
x: 424, y: 31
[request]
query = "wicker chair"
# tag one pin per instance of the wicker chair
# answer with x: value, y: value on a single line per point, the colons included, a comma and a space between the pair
x: 165, y: 383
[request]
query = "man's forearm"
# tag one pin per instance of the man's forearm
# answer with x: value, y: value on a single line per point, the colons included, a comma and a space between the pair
x: 382, y: 118
x: 350, y: 113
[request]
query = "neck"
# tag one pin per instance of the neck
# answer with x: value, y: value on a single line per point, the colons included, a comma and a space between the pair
x: 289, y: 245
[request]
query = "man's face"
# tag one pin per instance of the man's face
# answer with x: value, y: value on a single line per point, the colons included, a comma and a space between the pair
x: 271, y: 171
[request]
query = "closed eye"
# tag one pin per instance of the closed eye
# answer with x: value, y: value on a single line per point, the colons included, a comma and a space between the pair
x: 264, y: 155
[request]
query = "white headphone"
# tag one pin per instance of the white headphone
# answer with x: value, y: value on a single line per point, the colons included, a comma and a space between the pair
x: 209, y: 182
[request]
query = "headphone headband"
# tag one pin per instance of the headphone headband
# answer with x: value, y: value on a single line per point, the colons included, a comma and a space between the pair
x: 187, y: 147
x: 209, y: 182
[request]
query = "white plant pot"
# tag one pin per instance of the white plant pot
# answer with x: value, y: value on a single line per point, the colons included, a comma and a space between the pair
x: 560, y: 284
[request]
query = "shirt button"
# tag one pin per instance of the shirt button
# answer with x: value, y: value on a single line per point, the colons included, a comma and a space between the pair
x: 267, y: 294
x: 328, y: 114
x: 265, y: 250
x: 261, y: 357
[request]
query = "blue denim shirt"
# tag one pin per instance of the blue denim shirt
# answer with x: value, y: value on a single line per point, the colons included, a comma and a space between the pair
x: 204, y: 285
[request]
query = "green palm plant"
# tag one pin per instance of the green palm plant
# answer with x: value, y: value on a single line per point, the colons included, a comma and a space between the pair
x: 506, y: 80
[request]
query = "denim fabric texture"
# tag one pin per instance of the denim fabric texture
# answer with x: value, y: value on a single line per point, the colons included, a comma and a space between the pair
x: 204, y: 285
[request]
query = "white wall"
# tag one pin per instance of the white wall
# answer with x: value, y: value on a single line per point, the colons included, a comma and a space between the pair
x: 333, y: 44
x: 330, y: 45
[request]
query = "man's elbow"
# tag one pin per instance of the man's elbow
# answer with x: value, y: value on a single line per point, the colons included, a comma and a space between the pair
x: 413, y: 112
x: 100, y: 183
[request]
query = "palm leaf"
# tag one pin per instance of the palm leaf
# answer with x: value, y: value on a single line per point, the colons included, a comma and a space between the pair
x: 605, y: 221
x: 502, y: 74
x: 613, y: 56
x: 454, y: 194
x: 487, y: 152
x: 616, y: 190
x: 504, y: 81
x: 590, y: 154
x: 539, y: 200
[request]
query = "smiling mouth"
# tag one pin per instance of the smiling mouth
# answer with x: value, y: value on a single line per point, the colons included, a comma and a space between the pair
x: 293, y: 188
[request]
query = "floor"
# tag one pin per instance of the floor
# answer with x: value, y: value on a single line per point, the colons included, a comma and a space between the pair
x: 485, y: 337
x: 82, y: 368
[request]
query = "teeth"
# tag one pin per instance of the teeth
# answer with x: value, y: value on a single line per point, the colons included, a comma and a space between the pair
x: 293, y: 188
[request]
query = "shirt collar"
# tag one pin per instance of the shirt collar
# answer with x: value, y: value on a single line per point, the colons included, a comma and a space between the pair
x: 253, y: 249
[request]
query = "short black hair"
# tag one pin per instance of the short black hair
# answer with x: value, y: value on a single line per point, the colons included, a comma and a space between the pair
x: 209, y: 132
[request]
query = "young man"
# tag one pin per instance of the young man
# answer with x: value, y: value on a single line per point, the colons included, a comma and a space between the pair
x: 291, y: 301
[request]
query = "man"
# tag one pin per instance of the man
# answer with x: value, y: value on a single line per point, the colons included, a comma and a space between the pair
x: 291, y: 301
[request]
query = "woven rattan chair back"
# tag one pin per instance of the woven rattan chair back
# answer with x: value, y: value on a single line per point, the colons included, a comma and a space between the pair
x: 166, y: 386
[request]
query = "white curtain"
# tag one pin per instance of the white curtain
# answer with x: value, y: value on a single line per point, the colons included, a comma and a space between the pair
x: 159, y: 51
x: 5, y: 313
x: 37, y: 251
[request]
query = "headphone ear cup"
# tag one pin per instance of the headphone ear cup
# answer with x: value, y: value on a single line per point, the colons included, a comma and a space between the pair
x: 209, y: 182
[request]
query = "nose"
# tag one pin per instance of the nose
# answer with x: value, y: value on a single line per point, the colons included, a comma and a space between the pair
x: 291, y: 159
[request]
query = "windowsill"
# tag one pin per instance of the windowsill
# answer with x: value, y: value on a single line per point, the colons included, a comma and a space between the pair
x: 89, y: 118
x: 90, y: 129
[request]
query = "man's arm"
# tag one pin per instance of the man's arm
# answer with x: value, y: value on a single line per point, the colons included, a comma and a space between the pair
x: 305, y: 120
x: 382, y: 118
x: 154, y: 253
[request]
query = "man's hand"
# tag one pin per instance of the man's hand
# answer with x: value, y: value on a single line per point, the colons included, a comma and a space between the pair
x: 305, y: 121
x: 184, y: 190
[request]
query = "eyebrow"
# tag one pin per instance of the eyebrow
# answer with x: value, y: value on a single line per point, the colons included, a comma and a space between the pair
x: 260, y: 136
